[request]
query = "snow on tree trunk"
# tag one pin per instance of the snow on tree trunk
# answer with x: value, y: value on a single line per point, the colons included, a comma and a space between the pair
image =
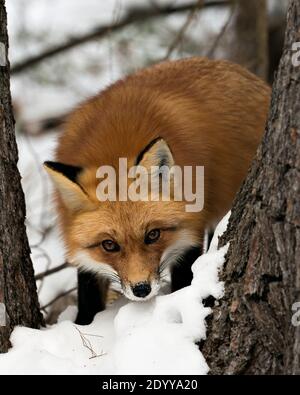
x: 251, y: 332
x: 18, y: 298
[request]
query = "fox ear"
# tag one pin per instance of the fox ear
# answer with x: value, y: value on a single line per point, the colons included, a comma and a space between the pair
x: 157, y: 153
x: 65, y: 180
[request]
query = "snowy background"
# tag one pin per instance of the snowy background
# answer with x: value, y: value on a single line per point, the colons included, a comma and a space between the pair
x: 49, y: 90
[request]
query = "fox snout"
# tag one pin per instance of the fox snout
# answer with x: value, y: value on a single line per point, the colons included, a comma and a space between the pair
x: 141, y: 290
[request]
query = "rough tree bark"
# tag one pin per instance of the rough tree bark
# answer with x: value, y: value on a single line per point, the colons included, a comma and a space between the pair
x: 17, y: 284
x: 249, y: 42
x: 251, y: 330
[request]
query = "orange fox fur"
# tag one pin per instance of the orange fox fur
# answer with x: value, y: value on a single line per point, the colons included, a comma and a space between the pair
x: 209, y: 113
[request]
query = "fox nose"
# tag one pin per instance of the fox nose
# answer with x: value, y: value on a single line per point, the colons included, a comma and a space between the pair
x: 141, y: 290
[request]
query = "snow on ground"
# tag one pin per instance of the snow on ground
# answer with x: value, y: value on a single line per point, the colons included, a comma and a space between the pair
x: 155, y: 337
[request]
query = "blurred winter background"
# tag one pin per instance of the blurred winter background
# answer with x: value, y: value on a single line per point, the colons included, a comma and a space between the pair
x: 63, y: 51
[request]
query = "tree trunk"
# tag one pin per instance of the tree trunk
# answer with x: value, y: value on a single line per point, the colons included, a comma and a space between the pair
x: 249, y: 44
x: 18, y: 297
x: 251, y: 331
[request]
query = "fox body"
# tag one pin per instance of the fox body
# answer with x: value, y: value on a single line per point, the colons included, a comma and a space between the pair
x: 190, y: 112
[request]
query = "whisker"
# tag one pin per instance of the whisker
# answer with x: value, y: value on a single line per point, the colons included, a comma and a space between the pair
x: 112, y: 277
x: 115, y: 281
x: 173, y: 258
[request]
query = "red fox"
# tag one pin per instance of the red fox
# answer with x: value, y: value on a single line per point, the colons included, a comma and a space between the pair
x: 190, y: 112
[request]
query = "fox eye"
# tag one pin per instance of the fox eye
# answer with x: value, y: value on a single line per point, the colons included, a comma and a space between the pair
x: 110, y: 246
x: 152, y: 236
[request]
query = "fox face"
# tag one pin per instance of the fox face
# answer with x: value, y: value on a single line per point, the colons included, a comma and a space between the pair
x: 131, y: 243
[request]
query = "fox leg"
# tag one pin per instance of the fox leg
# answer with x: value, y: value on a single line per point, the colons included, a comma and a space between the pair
x: 92, y: 291
x: 181, y: 275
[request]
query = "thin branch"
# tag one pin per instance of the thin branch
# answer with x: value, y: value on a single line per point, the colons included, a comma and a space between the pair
x: 44, y: 233
x: 184, y: 28
x: 222, y: 32
x: 36, y: 128
x: 90, y: 334
x: 87, y: 344
x: 58, y: 297
x: 56, y: 269
x: 134, y: 15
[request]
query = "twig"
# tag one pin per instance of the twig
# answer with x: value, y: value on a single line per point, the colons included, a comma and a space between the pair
x: 184, y: 28
x: 44, y: 233
x: 90, y: 334
x: 134, y: 15
x: 45, y: 255
x: 35, y: 128
x: 115, y: 19
x: 87, y: 344
x: 58, y: 297
x: 222, y: 32
x: 51, y: 271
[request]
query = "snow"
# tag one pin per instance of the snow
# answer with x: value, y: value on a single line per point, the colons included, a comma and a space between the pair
x: 154, y: 337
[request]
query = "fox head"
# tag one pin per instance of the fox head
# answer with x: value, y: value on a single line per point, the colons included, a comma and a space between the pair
x: 132, y: 243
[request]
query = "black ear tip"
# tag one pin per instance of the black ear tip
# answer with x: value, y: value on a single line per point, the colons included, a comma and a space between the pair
x: 146, y: 149
x: 68, y: 171
x: 49, y: 164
